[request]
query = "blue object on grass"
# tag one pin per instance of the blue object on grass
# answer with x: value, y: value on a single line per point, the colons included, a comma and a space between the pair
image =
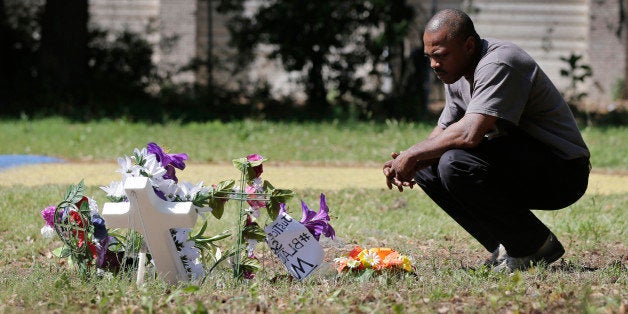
x: 8, y: 161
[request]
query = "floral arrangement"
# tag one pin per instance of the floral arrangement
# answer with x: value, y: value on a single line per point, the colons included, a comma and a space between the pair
x: 377, y: 259
x: 88, y: 242
x: 82, y: 230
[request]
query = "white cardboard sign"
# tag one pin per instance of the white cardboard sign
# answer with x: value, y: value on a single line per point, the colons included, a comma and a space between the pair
x: 153, y: 218
x: 294, y: 245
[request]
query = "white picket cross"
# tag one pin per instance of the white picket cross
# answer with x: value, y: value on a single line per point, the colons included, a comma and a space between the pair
x: 153, y: 217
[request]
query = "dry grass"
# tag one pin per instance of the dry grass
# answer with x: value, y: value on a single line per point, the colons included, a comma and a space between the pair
x: 290, y: 176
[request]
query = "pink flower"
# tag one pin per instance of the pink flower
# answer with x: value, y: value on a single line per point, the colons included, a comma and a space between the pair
x: 49, y: 215
x: 253, y: 202
x: 258, y: 169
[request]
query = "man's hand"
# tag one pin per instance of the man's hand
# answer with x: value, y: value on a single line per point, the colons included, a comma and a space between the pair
x: 392, y: 177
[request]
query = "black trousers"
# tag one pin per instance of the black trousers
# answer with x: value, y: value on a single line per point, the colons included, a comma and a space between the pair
x: 490, y: 190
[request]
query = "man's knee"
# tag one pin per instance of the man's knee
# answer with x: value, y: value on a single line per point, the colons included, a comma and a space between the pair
x: 458, y: 167
x: 426, y: 177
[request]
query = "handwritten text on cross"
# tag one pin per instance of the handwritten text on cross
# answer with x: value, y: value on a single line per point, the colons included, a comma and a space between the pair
x: 294, y: 245
x: 153, y: 217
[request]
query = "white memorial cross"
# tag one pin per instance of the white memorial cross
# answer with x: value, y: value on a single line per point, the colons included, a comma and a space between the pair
x: 153, y: 217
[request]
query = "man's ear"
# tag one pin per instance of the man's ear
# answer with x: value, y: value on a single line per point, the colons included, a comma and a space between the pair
x: 469, y: 45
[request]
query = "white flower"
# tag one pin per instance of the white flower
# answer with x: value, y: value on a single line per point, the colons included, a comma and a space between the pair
x: 353, y: 263
x: 47, y: 232
x: 168, y: 187
x: 371, y: 259
x: 93, y: 206
x: 127, y: 167
x: 153, y: 169
x: 140, y: 154
x: 115, y: 189
x: 188, y: 192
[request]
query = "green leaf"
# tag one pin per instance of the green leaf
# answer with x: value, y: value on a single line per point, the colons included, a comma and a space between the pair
x: 254, y: 232
x: 62, y: 251
x: 281, y: 195
x: 218, y: 207
x: 277, y: 197
x: 250, y: 264
x: 241, y: 164
x: 201, y: 231
x: 215, y: 238
x: 218, y: 196
x: 268, y: 187
x: 75, y: 193
x: 190, y: 289
x: 229, y: 253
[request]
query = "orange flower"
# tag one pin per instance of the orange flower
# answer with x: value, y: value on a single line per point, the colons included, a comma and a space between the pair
x: 374, y: 258
x: 354, y: 253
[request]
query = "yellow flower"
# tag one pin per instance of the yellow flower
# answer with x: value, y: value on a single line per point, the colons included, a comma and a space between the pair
x: 406, y: 263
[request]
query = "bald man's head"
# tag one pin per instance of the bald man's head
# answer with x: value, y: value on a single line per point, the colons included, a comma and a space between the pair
x: 455, y: 23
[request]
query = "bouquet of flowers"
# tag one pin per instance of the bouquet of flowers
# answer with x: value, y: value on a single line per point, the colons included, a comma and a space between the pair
x: 159, y: 166
x: 88, y: 242
x: 82, y: 230
x: 377, y: 259
x: 86, y: 238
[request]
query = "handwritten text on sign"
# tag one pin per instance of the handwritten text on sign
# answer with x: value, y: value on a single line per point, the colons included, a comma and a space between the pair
x: 294, y: 245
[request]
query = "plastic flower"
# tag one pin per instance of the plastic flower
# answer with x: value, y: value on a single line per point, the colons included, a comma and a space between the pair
x: 168, y: 161
x: 153, y: 170
x: 100, y: 230
x: 318, y: 222
x: 370, y: 259
x: 254, y: 199
x: 128, y: 167
x: 188, y: 191
x: 167, y: 189
x: 48, y: 214
x: 374, y: 258
x: 259, y: 168
x: 115, y: 190
x: 47, y: 232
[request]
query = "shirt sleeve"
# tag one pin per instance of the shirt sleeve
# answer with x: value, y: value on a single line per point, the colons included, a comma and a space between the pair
x: 453, y: 110
x: 499, y: 91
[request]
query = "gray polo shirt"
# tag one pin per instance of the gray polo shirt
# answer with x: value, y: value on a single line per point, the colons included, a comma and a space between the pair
x: 509, y: 84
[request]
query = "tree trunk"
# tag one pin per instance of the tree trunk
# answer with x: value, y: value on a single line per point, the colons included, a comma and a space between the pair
x: 624, y: 27
x: 3, y: 57
x: 318, y: 107
x: 64, y: 52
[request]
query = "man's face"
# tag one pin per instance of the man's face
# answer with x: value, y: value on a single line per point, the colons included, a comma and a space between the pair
x: 449, y: 58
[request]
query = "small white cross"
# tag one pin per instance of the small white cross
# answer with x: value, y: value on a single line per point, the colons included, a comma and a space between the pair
x: 153, y: 217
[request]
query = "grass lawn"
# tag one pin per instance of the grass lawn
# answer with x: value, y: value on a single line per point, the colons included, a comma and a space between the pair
x: 591, y: 277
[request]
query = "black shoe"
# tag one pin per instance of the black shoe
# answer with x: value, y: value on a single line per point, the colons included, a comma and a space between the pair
x: 549, y: 252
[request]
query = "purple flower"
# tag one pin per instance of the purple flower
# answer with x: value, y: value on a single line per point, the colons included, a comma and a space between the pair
x: 317, y: 222
x: 168, y: 161
x: 102, y: 250
x: 49, y: 215
x: 100, y: 231
x: 258, y: 169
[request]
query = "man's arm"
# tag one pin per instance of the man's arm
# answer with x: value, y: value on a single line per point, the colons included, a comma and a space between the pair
x: 468, y: 132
